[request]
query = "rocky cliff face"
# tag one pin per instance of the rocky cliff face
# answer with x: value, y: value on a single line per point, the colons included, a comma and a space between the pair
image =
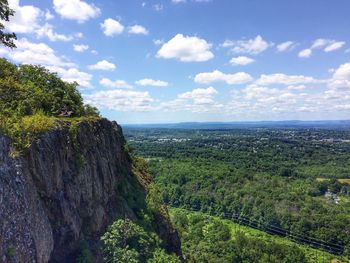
x: 66, y: 189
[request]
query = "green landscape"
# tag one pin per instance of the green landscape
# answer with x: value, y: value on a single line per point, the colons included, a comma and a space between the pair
x: 268, y: 178
x: 189, y: 185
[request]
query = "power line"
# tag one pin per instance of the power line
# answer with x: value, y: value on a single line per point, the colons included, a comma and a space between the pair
x: 272, y: 229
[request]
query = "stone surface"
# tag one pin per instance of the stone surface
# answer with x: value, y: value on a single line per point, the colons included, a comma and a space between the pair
x: 64, y: 190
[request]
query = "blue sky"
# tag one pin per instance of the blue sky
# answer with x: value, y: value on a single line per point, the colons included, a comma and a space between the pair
x: 194, y: 60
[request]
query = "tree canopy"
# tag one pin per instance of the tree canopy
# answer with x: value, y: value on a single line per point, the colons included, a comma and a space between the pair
x: 33, y: 99
x: 5, y: 13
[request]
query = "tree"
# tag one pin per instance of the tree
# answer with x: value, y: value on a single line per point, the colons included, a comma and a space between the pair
x: 5, y: 13
x: 127, y: 242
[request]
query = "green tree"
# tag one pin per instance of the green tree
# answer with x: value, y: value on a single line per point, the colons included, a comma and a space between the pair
x: 125, y: 241
x: 5, y: 13
x: 160, y: 256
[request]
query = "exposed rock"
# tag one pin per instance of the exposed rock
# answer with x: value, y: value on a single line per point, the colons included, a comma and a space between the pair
x: 63, y: 190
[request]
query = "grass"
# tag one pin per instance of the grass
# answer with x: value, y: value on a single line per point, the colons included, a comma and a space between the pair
x: 342, y: 181
x: 25, y: 130
x: 312, y: 255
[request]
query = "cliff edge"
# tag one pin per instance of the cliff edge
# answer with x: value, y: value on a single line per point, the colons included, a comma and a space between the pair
x: 66, y: 189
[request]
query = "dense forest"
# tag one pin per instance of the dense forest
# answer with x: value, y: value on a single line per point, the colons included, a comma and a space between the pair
x: 285, y: 181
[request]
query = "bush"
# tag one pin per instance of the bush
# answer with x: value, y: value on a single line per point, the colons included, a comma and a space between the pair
x: 125, y: 241
x: 32, y: 99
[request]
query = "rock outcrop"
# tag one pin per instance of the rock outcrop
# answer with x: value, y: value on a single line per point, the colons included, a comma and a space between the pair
x: 64, y: 190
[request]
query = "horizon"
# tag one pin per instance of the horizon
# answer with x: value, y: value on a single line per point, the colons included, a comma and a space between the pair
x: 235, y: 122
x: 171, y: 61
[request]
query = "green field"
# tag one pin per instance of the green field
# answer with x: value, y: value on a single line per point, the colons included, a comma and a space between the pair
x: 312, y: 255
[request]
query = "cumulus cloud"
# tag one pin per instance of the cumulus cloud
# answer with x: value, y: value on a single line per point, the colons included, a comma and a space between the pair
x: 138, y: 30
x: 111, y: 27
x: 305, y: 53
x: 158, y: 42
x: 283, y: 79
x: 200, y: 97
x: 285, y: 46
x: 328, y: 45
x: 103, y: 65
x: 80, y: 48
x: 198, y: 93
x: 120, y: 100
x: 152, y: 82
x: 218, y: 76
x: 251, y: 46
x: 74, y: 75
x: 76, y: 10
x: 28, y: 20
x: 48, y: 31
x: 41, y: 54
x: 36, y: 53
x: 334, y: 46
x: 297, y: 87
x: 186, y: 49
x: 115, y: 83
x: 49, y: 15
x: 241, y: 60
x: 341, y: 77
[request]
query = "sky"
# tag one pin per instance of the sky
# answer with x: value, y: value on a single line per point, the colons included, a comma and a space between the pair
x: 193, y: 60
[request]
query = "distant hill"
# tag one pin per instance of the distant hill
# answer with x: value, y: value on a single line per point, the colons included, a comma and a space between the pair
x: 293, y: 124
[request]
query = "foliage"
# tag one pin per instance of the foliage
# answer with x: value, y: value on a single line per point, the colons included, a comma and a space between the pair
x: 160, y: 256
x: 268, y: 175
x: 126, y: 241
x: 32, y: 100
x: 5, y: 13
x: 212, y: 239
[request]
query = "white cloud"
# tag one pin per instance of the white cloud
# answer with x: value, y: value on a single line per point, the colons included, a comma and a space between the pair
x: 178, y: 1
x: 158, y: 42
x: 152, y: 82
x: 138, y: 30
x: 241, y: 60
x: 250, y: 46
x: 36, y: 53
x: 306, y: 53
x: 341, y: 77
x: 49, y: 15
x: 283, y: 79
x: 80, y: 48
x: 74, y: 75
x: 26, y: 18
x: 285, y: 46
x: 76, y: 10
x: 319, y: 43
x: 334, y: 46
x: 186, y: 49
x: 103, y: 65
x: 120, y: 100
x: 200, y: 96
x: 47, y: 31
x: 158, y: 7
x: 298, y: 87
x: 328, y: 45
x: 115, y: 83
x: 218, y: 76
x: 41, y: 54
x: 112, y: 27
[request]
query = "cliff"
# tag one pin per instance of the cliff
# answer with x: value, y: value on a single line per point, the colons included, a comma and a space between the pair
x: 66, y: 189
